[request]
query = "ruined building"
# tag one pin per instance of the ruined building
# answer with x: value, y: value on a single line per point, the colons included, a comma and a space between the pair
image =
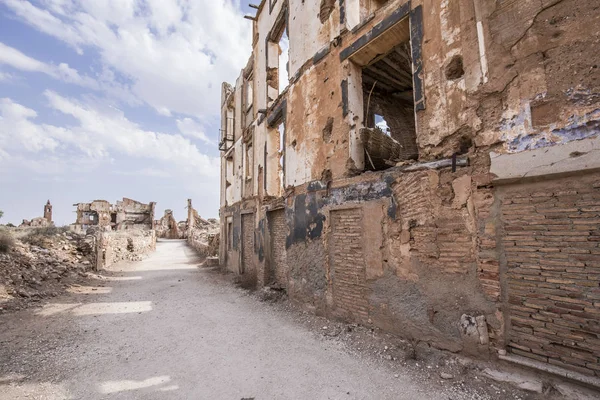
x: 126, y: 214
x: 40, y: 222
x: 427, y: 167
x: 48, y: 212
x: 202, y: 234
x: 168, y: 228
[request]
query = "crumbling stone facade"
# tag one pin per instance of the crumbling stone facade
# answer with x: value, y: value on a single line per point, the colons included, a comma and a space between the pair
x: 168, y: 228
x: 130, y: 245
x: 40, y: 222
x: 202, y: 234
x: 126, y: 214
x: 435, y: 166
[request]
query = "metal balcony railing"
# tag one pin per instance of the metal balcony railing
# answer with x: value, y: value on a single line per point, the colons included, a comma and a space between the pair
x: 226, y: 140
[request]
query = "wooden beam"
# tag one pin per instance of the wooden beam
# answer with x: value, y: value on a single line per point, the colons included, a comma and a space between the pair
x: 250, y: 17
x: 253, y: 6
x: 383, y: 85
x: 383, y: 75
x: 396, y: 67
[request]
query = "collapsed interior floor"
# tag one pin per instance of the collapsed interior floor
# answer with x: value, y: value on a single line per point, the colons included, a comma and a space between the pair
x: 390, y: 133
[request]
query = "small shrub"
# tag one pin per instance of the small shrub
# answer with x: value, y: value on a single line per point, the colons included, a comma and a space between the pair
x: 6, y: 242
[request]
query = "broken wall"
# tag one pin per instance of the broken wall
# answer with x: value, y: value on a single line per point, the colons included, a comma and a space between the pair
x: 202, y: 235
x: 491, y: 80
x: 126, y: 214
x: 132, y: 245
x: 168, y: 228
x: 133, y: 214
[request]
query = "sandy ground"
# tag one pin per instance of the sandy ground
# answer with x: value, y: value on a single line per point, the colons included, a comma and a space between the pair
x: 164, y: 328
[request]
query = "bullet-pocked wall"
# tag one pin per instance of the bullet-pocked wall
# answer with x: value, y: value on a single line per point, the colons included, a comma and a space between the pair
x: 387, y: 181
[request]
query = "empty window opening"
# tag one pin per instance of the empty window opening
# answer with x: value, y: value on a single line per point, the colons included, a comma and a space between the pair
x: 249, y: 93
x: 249, y: 161
x: 229, y: 235
x: 113, y: 218
x: 226, y: 131
x: 284, y: 57
x: 281, y: 129
x: 229, y: 177
x: 248, y: 99
x: 91, y: 218
x: 389, y: 135
x: 277, y: 58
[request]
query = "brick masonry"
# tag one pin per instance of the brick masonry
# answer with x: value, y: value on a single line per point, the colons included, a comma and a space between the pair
x: 278, y: 233
x: 249, y: 268
x: 439, y: 233
x: 488, y: 258
x: 551, y: 240
x: 347, y: 263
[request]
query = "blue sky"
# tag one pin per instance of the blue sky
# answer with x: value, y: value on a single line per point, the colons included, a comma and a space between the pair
x: 107, y: 99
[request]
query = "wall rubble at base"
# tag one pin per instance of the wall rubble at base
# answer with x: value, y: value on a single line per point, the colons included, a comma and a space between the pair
x: 455, y: 257
x: 133, y: 245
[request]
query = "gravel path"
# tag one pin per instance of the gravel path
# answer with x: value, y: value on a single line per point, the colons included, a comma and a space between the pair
x: 165, y: 329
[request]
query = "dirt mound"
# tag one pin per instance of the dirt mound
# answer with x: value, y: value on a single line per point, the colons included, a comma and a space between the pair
x: 42, y: 263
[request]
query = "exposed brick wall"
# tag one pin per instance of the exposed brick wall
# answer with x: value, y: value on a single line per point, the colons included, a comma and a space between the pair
x: 248, y: 248
x: 439, y: 233
x: 278, y: 233
x: 552, y: 246
x: 488, y: 264
x: 348, y: 263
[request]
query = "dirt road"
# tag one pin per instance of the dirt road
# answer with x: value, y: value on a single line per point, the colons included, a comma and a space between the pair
x: 165, y: 329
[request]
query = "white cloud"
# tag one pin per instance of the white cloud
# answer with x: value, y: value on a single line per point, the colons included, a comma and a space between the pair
x: 6, y: 77
x: 151, y: 172
x: 44, y: 21
x: 98, y: 134
x: 18, y: 132
x: 176, y: 53
x: 105, y: 82
x: 16, y: 59
x: 189, y: 127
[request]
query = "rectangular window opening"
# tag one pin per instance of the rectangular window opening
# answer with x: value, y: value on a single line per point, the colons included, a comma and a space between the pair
x: 229, y: 235
x: 248, y: 99
x: 278, y: 46
x: 281, y: 129
x: 249, y: 161
x: 229, y: 177
x: 283, y: 65
x: 249, y: 93
x: 389, y: 133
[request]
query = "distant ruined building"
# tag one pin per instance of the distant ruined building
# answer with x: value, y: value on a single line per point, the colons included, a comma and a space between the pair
x: 48, y: 212
x: 429, y: 168
x: 124, y: 215
x: 40, y: 222
x: 168, y: 228
x: 200, y: 233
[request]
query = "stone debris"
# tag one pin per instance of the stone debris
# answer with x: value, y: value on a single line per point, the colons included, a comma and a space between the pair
x: 202, y: 234
x: 42, y: 263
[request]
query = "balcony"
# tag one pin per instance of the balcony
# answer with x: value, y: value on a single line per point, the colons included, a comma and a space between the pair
x: 226, y: 140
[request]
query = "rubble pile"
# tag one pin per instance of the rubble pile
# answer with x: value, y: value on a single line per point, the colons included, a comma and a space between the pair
x: 204, y: 236
x: 42, y: 263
